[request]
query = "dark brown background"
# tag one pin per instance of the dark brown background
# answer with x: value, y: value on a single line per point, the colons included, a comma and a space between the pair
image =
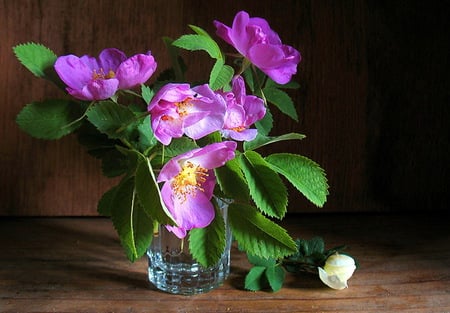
x: 374, y: 97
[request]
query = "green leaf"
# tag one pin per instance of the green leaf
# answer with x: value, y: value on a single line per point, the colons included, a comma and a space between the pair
x: 37, y: 58
x: 107, y: 202
x: 203, y: 33
x: 232, y: 181
x: 258, y: 235
x: 254, y: 78
x: 199, y: 31
x: 275, y: 276
x: 266, y: 187
x: 303, y: 173
x: 114, y: 163
x: 101, y: 147
x: 133, y: 225
x: 147, y: 139
x: 281, y: 100
x: 132, y: 157
x: 316, y: 245
x: 255, y: 279
x: 262, y: 140
x: 221, y: 75
x: 51, y: 119
x: 207, y: 244
x: 112, y: 119
x: 179, y: 146
x: 199, y: 42
x: 265, y: 125
x: 258, y: 261
x: 149, y: 194
x: 147, y: 94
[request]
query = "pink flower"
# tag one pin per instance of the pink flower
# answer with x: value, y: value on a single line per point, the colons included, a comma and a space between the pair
x: 242, y: 112
x: 177, y: 109
x: 189, y: 182
x: 88, y: 78
x: 255, y: 40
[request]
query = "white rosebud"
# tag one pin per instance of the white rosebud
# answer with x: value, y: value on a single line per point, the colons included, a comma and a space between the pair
x: 337, y: 270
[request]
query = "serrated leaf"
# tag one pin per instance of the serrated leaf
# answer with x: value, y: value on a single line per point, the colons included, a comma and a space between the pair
x: 265, y: 125
x: 106, y: 202
x: 51, y: 119
x: 149, y: 194
x: 275, y: 276
x: 133, y: 225
x: 258, y: 261
x: 147, y: 93
x: 178, y: 146
x: 199, y: 31
x: 37, y: 58
x: 198, y: 42
x: 208, y: 244
x: 258, y: 235
x: 231, y: 181
x: 114, y: 163
x: 266, y: 187
x: 101, y: 147
x: 202, y: 32
x: 255, y: 280
x: 316, y: 245
x: 221, y: 75
x: 262, y: 140
x: 147, y: 139
x: 254, y: 77
x: 303, y: 173
x: 281, y: 100
x: 112, y: 119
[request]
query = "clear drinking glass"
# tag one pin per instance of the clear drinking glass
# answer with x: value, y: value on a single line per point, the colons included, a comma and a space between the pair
x: 172, y: 269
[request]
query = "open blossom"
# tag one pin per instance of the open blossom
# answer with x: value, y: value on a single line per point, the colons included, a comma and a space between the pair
x: 178, y: 109
x: 242, y: 111
x: 337, y: 270
x: 254, y: 39
x: 189, y: 182
x: 88, y: 78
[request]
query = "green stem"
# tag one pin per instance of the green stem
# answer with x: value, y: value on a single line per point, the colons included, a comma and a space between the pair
x: 81, y: 117
x: 135, y: 119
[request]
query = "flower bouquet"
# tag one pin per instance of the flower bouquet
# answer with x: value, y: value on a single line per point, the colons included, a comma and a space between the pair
x: 182, y: 148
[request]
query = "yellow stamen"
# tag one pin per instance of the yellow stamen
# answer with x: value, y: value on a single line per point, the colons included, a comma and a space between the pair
x: 183, y: 107
x: 189, y: 180
x: 100, y: 74
x: 238, y: 129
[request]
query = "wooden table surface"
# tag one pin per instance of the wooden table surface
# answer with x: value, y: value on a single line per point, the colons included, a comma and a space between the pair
x: 77, y: 265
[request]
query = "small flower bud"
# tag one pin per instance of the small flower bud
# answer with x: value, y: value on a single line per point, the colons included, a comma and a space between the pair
x: 337, y: 270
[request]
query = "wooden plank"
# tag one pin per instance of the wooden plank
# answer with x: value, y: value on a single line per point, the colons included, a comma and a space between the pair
x: 77, y: 265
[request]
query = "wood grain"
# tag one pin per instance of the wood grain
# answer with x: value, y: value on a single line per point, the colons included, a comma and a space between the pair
x: 373, y: 100
x: 77, y: 265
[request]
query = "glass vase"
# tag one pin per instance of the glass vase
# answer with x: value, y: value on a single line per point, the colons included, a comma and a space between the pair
x: 171, y: 267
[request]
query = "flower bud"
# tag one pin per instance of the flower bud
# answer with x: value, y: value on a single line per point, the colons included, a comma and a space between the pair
x: 337, y: 270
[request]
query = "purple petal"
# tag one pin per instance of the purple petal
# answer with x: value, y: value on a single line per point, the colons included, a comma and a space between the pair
x: 194, y: 212
x: 245, y: 135
x: 96, y: 90
x: 278, y: 62
x: 214, y: 155
x: 135, y: 70
x: 255, y: 40
x: 73, y: 71
x: 110, y: 59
